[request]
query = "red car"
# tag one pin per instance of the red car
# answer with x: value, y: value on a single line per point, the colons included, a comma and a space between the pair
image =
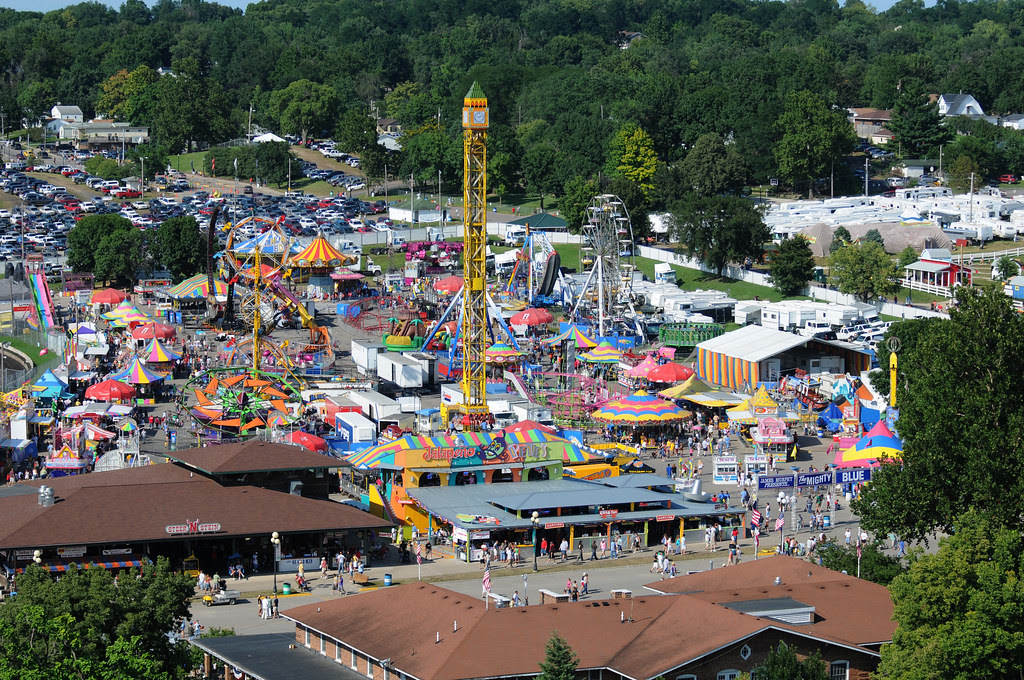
x: 1007, y: 179
x: 127, y: 193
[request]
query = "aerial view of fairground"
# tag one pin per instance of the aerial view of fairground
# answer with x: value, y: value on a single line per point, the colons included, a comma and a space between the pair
x: 659, y: 340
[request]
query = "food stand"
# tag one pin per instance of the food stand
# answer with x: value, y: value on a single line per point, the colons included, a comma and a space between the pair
x: 725, y: 470
x: 772, y: 439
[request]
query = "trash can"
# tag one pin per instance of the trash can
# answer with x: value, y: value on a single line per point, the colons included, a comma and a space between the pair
x: 827, y: 521
x: 387, y: 580
x: 286, y: 589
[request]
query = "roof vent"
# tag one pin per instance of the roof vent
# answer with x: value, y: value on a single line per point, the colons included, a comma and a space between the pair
x: 778, y: 580
x: 46, y: 496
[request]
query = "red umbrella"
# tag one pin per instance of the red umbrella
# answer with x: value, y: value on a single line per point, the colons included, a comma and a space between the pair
x: 109, y: 390
x: 148, y: 331
x: 307, y: 440
x: 450, y: 284
x: 670, y: 372
x: 108, y: 296
x: 532, y: 317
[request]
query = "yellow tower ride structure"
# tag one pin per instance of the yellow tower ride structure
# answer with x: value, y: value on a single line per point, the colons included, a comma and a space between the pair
x: 474, y: 257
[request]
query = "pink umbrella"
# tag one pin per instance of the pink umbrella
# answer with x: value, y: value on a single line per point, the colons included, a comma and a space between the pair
x: 450, y: 284
x: 532, y: 317
x: 670, y: 372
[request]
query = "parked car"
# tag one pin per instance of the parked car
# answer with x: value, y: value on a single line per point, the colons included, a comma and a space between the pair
x: 1008, y: 179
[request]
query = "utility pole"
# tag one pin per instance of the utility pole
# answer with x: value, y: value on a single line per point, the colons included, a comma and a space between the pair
x: 248, y: 132
x: 866, y: 173
x: 289, y: 173
x: 971, y: 199
x: 142, y: 184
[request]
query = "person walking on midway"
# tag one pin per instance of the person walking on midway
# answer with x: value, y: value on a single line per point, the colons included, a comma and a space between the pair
x: 323, y: 567
x: 580, y: 547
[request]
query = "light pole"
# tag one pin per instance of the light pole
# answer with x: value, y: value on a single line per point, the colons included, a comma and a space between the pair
x: 275, y: 539
x: 37, y: 557
x: 289, y: 173
x: 142, y: 183
x: 535, y: 521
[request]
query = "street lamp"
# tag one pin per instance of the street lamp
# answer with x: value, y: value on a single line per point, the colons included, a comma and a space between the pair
x: 535, y: 521
x: 37, y: 557
x: 275, y: 539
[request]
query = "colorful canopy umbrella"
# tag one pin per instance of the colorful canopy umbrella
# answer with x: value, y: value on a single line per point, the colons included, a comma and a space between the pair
x: 124, y: 315
x: 532, y: 317
x: 639, y: 408
x: 108, y: 296
x: 698, y: 392
x: 500, y: 353
x: 449, y: 284
x: 109, y: 390
x: 643, y: 368
x: 157, y: 353
x: 153, y: 329
x: 670, y: 372
x: 572, y: 334
x: 318, y: 254
x: 49, y: 386
x: 308, y: 441
x: 137, y: 374
x: 524, y: 425
x: 197, y: 286
x: 602, y: 354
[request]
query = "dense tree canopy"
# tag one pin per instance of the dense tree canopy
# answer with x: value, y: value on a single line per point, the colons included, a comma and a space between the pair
x: 864, y: 270
x: 961, y: 421
x: 792, y: 266
x: 720, y: 229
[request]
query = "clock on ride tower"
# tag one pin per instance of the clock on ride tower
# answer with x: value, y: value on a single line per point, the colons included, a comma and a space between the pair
x: 474, y: 110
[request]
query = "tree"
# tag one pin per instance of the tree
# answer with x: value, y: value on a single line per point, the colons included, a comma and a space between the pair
x: 305, y: 107
x: 874, y: 236
x: 917, y: 127
x: 87, y: 626
x: 189, y: 107
x: 560, y: 660
x: 356, y: 131
x: 85, y: 239
x: 120, y: 256
x: 179, y: 247
x: 720, y: 229
x: 875, y: 565
x: 907, y: 256
x: 632, y: 157
x: 126, y: 95
x: 959, y: 611
x: 576, y: 196
x: 1007, y: 268
x: 840, y: 237
x: 713, y: 167
x: 792, y: 266
x: 782, y: 663
x: 864, y: 270
x: 961, y: 418
x: 813, y: 136
x: 963, y: 174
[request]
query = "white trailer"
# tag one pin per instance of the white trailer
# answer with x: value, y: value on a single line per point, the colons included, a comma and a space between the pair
x: 400, y: 369
x: 663, y: 273
x: 376, y: 406
x: 364, y: 354
x: 354, y: 428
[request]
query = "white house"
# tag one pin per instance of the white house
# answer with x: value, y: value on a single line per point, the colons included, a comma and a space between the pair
x: 959, y: 105
x: 69, y: 114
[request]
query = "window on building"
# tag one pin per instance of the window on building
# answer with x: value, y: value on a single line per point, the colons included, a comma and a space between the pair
x: 337, y: 651
x: 307, y: 637
x: 354, y: 663
x: 686, y: 677
x: 369, y: 668
x: 594, y: 674
x: 730, y: 674
x: 323, y: 645
x: 839, y: 670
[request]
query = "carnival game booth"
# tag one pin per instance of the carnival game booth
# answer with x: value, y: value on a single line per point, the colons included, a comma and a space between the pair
x: 468, y: 459
x: 188, y: 299
x: 769, y: 432
x: 314, y: 264
x: 67, y: 461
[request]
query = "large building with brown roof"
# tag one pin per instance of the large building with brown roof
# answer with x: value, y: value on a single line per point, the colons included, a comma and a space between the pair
x: 130, y: 515
x: 707, y: 626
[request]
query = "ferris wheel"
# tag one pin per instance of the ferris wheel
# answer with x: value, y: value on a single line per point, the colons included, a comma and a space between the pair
x: 606, y: 254
x: 258, y: 262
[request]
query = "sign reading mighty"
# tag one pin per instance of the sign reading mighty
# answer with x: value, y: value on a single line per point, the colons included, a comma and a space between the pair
x: 854, y: 476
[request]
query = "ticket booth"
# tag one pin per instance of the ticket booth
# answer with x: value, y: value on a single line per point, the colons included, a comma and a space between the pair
x: 725, y: 470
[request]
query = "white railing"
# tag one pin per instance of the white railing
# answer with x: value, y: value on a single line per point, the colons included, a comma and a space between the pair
x: 971, y: 258
x: 930, y: 288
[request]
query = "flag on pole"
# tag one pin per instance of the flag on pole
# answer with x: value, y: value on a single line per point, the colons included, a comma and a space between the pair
x: 236, y: 165
x: 487, y: 579
x: 858, y: 549
x: 755, y: 518
x: 779, y: 523
x: 419, y: 556
x: 213, y: 164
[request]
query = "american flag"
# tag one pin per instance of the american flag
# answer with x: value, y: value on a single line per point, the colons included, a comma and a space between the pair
x: 487, y: 579
x: 419, y: 555
x: 779, y: 523
x: 755, y: 518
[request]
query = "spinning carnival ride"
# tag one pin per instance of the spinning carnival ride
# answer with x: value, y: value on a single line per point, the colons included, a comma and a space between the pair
x: 606, y: 253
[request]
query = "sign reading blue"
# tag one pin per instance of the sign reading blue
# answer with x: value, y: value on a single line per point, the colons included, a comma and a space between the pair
x: 853, y: 476
x: 776, y: 482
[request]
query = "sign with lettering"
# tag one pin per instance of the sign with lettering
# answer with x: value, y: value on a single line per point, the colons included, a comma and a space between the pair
x: 814, y: 479
x: 665, y: 518
x: 555, y: 525
x: 117, y: 551
x: 609, y: 514
x: 853, y: 476
x: 192, y: 527
x: 775, y: 482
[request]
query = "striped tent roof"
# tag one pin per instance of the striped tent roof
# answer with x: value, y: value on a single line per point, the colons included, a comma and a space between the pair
x: 573, y: 334
x: 157, y: 353
x: 137, y: 374
x: 639, y: 408
x: 197, y: 287
x: 319, y: 253
x: 602, y: 354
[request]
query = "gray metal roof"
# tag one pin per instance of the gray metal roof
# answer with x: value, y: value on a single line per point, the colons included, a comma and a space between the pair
x: 267, y: 657
x: 928, y: 266
x: 639, y: 481
x: 502, y: 500
x: 753, y: 343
